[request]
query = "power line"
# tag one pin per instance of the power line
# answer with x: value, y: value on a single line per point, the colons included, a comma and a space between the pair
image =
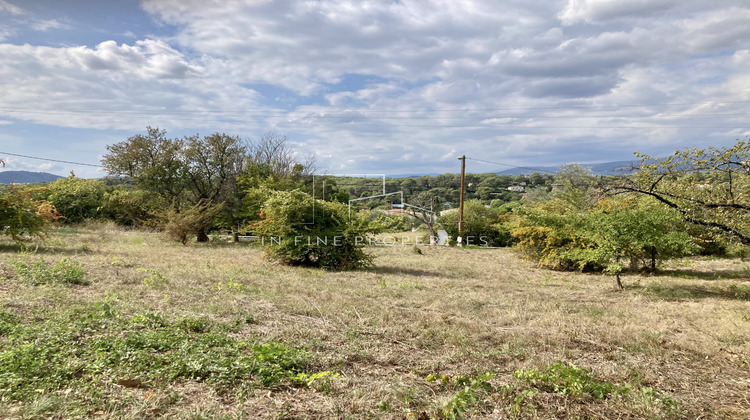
x: 52, y: 160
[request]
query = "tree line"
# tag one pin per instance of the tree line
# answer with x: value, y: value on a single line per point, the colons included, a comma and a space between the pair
x: 694, y: 201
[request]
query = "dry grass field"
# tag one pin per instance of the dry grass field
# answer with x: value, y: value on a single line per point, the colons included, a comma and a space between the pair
x: 156, y: 329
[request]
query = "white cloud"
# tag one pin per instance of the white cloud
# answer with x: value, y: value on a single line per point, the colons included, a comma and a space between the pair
x: 598, y: 11
x: 532, y: 79
x: 45, y: 25
x: 6, y: 7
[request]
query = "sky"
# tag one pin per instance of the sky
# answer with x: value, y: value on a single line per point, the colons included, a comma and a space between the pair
x: 376, y: 87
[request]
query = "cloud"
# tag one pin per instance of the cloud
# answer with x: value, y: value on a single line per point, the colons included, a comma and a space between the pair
x: 45, y: 25
x: 353, y: 81
x: 6, y: 7
x: 105, y: 86
x: 600, y: 11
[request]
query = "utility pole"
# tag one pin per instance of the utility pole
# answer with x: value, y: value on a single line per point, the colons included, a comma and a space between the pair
x: 461, y: 199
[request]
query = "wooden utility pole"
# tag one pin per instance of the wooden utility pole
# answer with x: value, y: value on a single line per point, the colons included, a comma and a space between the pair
x: 461, y: 198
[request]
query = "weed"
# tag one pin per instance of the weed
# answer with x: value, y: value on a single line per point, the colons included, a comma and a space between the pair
x: 566, y: 378
x: 385, y: 406
x: 229, y: 285
x: 64, y: 272
x: 8, y: 321
x: 155, y: 279
x: 78, y: 349
x: 651, y: 401
x: 740, y: 291
x: 470, y: 391
x: 195, y: 325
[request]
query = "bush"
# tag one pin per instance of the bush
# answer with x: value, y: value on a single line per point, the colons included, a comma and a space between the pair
x: 299, y: 231
x: 602, y: 236
x: 482, y: 226
x: 22, y: 215
x: 192, y: 220
x: 128, y: 206
x: 78, y: 199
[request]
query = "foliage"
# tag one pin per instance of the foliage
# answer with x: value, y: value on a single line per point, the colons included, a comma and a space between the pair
x: 300, y: 231
x: 190, y: 220
x: 64, y: 271
x: 575, y: 188
x: 482, y: 226
x: 708, y: 188
x: 86, y: 348
x: 78, y: 199
x: 566, y: 378
x: 561, y: 236
x: 190, y: 173
x: 22, y: 215
x: 153, y: 162
x: 130, y: 206
x: 470, y: 391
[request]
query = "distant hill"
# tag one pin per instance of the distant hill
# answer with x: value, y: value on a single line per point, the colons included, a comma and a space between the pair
x: 26, y: 177
x: 606, y: 168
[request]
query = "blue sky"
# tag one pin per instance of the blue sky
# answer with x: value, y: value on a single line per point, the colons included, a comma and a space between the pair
x: 389, y: 87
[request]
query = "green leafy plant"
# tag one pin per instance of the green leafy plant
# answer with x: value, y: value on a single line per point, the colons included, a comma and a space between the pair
x: 566, y: 378
x: 470, y: 390
x: 154, y: 279
x: 23, y: 215
x: 64, y: 271
x: 85, y: 348
x: 298, y: 230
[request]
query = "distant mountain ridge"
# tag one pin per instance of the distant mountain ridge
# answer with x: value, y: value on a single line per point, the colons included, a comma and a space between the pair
x: 623, y: 167
x: 26, y: 177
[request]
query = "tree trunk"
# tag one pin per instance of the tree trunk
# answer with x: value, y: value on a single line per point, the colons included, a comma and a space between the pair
x: 653, y: 259
x: 618, y: 283
x: 633, y: 264
x: 202, y: 235
x: 433, y: 237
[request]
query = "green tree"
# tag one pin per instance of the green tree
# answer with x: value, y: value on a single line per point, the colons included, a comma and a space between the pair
x: 153, y: 162
x: 190, y: 173
x: 710, y: 188
x: 600, y: 239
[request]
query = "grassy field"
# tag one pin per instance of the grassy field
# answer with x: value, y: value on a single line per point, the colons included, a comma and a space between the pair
x: 105, y: 323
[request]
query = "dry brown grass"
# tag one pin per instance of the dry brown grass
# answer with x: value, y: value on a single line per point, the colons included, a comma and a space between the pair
x: 684, y: 333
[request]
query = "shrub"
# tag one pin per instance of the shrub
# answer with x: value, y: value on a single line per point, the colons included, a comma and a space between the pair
x: 192, y: 220
x: 482, y: 226
x: 21, y: 214
x: 299, y: 231
x: 78, y: 199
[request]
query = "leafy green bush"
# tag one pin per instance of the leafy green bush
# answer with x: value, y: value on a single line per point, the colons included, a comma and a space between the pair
x: 299, y: 231
x: 130, y: 206
x: 64, y: 271
x: 482, y: 226
x: 78, y: 199
x: 601, y: 236
x: 21, y: 214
